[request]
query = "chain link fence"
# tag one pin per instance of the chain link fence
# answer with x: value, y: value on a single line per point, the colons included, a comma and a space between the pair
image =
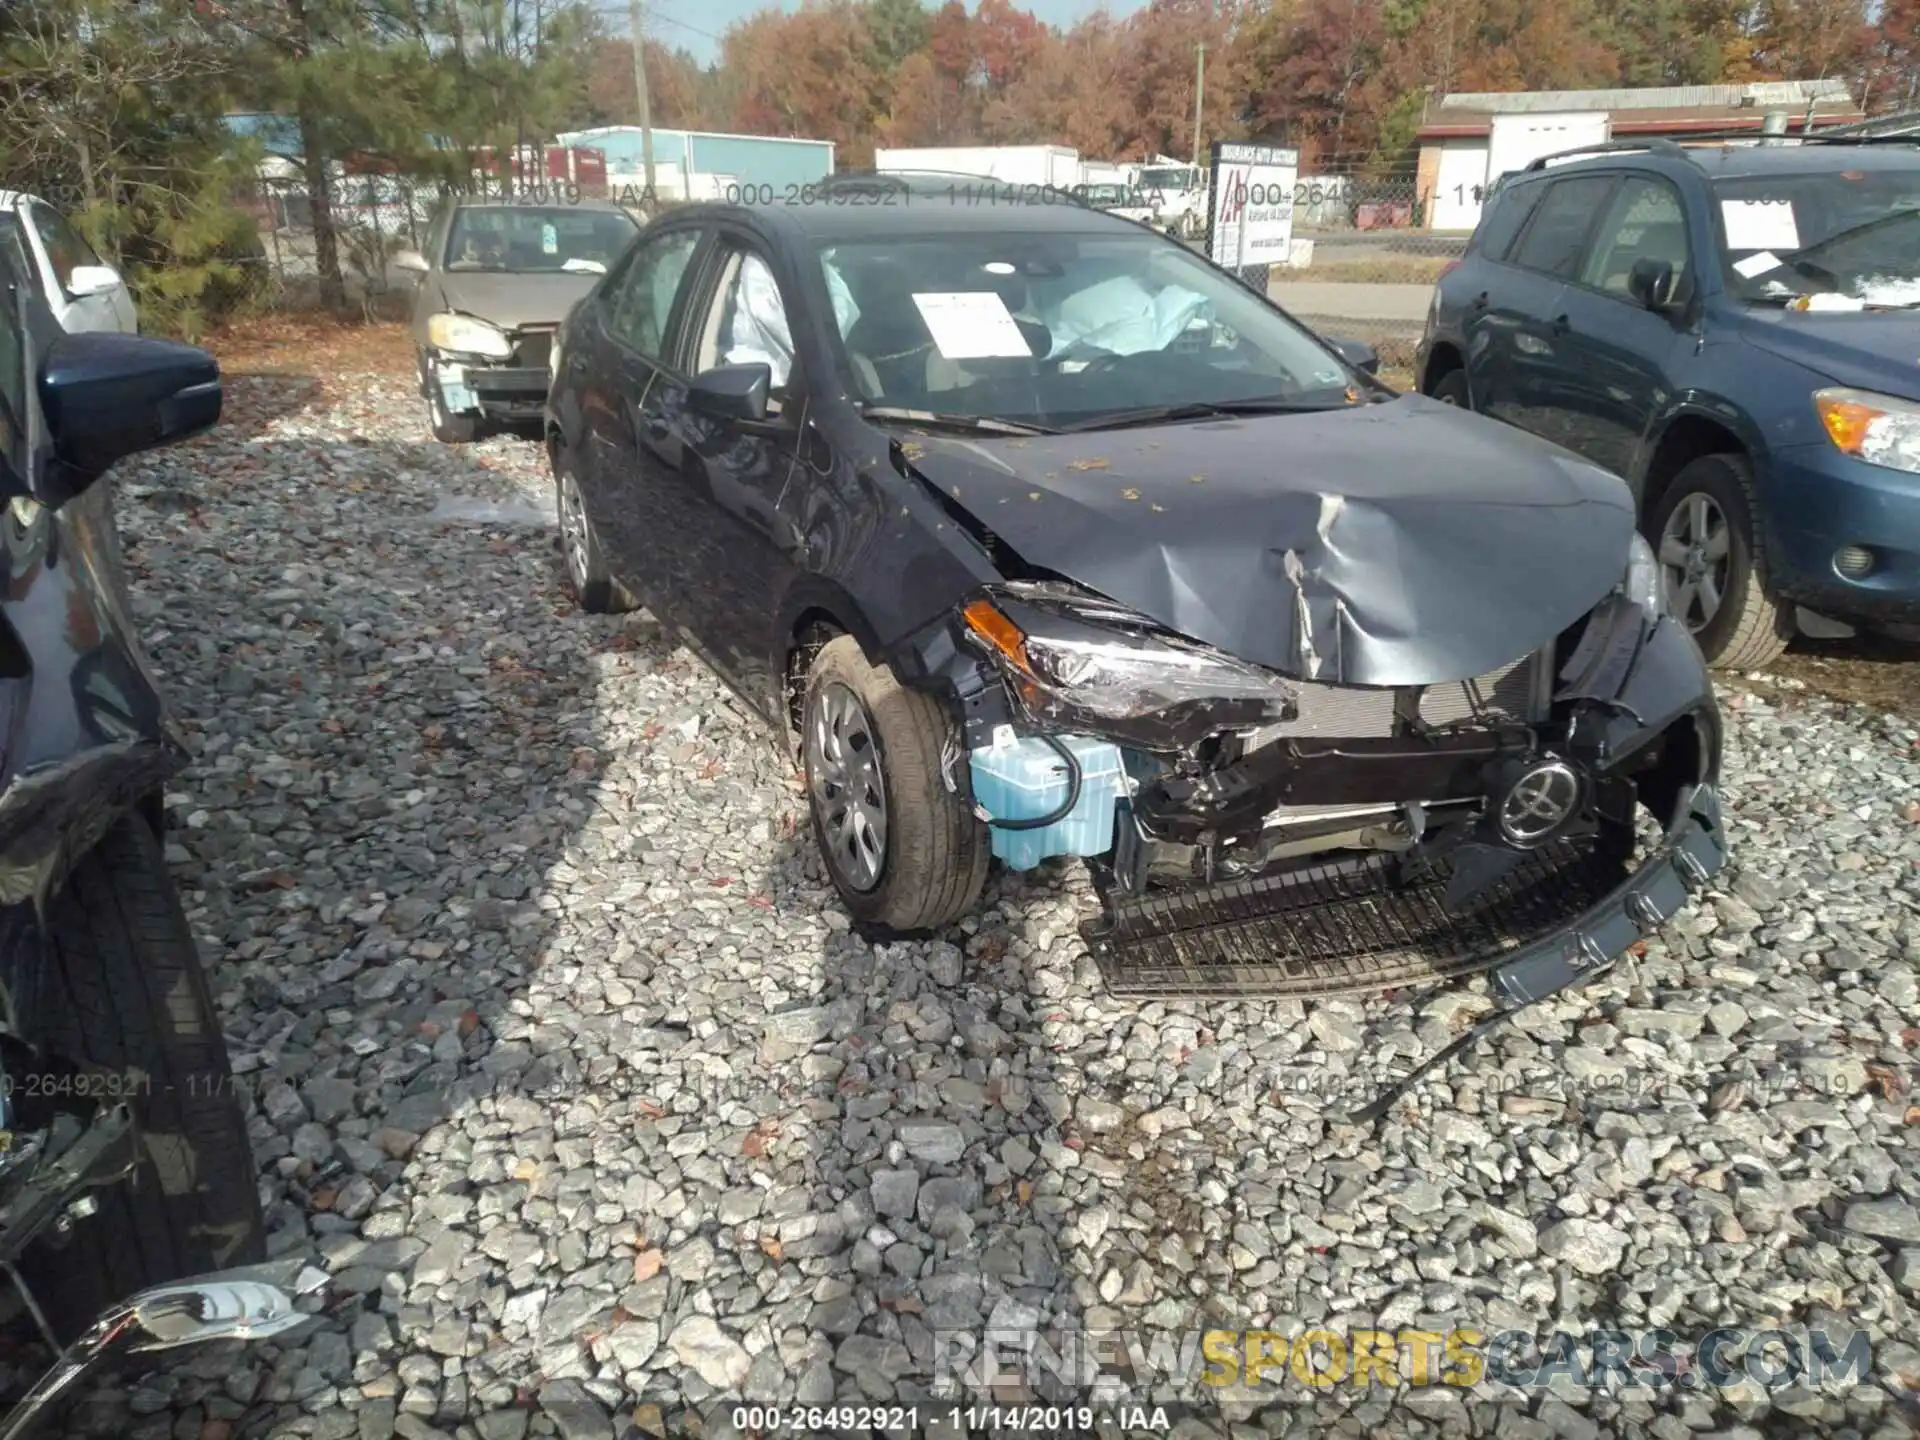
x: 1365, y: 257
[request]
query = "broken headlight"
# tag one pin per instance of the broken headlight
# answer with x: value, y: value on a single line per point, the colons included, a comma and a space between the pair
x: 1077, y: 662
x: 465, y: 335
x: 1643, y: 583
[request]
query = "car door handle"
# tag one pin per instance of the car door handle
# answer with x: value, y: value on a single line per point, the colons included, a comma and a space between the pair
x: 1561, y: 325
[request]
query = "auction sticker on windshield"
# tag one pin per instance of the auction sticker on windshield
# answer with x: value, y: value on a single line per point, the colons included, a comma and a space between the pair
x: 972, y: 325
x: 1760, y: 225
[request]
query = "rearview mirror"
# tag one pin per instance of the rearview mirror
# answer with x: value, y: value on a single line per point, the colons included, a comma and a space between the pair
x: 1653, y: 283
x: 92, y: 280
x: 411, y: 260
x: 1357, y: 353
x: 107, y: 395
x: 732, y: 392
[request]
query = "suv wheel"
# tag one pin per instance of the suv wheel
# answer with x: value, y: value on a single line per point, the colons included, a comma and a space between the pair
x: 904, y: 851
x: 1702, y: 531
x: 1451, y: 389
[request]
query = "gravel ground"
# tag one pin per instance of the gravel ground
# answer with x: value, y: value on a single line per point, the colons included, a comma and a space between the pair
x: 559, y: 1054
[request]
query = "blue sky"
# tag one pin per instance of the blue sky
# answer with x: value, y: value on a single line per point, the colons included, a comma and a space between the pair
x: 696, y: 25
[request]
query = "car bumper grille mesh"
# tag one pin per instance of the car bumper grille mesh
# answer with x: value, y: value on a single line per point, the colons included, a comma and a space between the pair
x: 1329, y: 930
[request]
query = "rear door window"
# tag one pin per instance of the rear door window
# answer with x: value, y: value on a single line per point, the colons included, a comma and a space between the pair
x: 1556, y: 237
x: 1507, y: 211
x: 642, y: 302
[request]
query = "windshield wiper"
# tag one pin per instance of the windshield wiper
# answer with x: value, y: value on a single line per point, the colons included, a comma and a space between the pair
x: 978, y: 424
x: 1200, y: 410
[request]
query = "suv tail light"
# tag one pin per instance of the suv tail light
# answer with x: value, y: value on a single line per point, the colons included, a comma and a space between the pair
x: 1448, y: 268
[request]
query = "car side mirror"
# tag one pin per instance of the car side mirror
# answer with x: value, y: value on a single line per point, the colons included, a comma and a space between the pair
x: 732, y: 392
x: 106, y: 396
x: 411, y: 260
x: 1653, y: 283
x: 88, y: 280
x: 1357, y: 353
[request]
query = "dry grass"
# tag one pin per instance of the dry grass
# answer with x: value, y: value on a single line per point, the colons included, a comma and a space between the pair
x: 1385, y: 270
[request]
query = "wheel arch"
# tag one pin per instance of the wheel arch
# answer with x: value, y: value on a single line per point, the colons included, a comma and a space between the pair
x: 1442, y: 360
x: 1684, y: 437
x: 815, y: 611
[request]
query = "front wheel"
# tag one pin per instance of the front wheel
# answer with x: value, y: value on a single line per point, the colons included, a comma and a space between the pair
x: 904, y: 851
x: 126, y: 997
x: 586, y: 566
x: 1702, y: 530
x: 1451, y: 389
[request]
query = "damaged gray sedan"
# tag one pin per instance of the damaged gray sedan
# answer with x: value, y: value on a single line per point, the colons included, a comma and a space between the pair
x: 1038, y: 536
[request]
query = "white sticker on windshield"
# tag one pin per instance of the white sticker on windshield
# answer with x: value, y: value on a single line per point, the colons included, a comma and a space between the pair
x: 1756, y: 265
x: 549, y: 240
x: 971, y: 325
x: 1760, y: 225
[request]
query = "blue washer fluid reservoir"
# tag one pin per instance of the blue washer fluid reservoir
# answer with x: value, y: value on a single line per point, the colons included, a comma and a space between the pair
x: 1021, y: 777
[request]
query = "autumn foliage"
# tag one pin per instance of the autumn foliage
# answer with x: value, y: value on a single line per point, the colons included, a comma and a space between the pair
x: 1345, y: 77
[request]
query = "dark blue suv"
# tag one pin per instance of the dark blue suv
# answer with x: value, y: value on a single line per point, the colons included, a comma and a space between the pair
x: 1732, y: 330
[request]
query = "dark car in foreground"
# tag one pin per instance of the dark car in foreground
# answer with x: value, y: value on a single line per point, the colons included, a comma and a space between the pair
x: 125, y: 1171
x: 495, y: 281
x: 1732, y: 330
x: 1038, y: 535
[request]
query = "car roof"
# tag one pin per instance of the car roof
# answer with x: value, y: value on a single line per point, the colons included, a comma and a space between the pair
x: 1730, y: 162
x: 996, y: 208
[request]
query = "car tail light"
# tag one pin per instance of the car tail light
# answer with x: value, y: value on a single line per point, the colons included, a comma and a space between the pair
x: 1448, y: 268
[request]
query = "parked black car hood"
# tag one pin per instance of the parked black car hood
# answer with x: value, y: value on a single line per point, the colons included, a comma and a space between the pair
x: 1870, y: 349
x: 1405, y: 543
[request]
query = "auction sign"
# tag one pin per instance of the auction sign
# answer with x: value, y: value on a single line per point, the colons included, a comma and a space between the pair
x: 1252, y: 193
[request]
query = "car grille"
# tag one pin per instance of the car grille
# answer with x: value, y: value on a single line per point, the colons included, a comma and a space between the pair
x: 1514, y: 693
x: 1336, y: 929
x: 532, y: 348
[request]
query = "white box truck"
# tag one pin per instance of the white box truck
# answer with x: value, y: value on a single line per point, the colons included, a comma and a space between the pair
x: 1054, y: 165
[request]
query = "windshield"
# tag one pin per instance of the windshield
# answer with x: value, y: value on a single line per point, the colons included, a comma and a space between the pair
x: 522, y: 239
x: 1847, y: 238
x: 1169, y: 177
x: 1061, y: 329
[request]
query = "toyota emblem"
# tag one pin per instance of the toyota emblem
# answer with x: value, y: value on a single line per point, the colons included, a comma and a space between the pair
x: 1538, y: 803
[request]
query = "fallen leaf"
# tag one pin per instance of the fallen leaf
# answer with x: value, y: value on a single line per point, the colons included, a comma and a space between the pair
x: 755, y: 1144
x: 720, y: 882
x: 469, y: 1022
x: 1098, y: 462
x: 650, y: 1109
x: 771, y: 1248
x: 1889, y: 1082
x: 1129, y: 493
x: 1912, y: 1117
x: 764, y: 902
x: 324, y: 1197
x: 646, y: 1265
x: 1910, y: 1037
x: 1912, y: 812
x: 1025, y: 1191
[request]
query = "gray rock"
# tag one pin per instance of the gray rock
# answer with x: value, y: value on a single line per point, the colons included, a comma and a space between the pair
x: 715, y: 1356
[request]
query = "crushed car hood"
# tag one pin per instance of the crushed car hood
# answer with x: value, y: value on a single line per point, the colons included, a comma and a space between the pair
x: 511, y: 301
x: 1405, y: 543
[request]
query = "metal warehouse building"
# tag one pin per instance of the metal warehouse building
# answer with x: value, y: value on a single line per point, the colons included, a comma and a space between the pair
x: 700, y: 164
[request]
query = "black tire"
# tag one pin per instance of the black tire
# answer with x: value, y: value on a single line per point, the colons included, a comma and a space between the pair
x: 582, y: 561
x: 1748, y: 628
x: 1451, y: 389
x: 123, y: 990
x: 935, y: 856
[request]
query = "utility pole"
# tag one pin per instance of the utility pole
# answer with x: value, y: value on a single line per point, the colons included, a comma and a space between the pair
x: 636, y: 18
x: 1199, y: 95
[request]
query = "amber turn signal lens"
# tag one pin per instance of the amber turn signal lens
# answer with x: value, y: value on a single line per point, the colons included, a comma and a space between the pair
x: 1847, y: 422
x: 986, y: 621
